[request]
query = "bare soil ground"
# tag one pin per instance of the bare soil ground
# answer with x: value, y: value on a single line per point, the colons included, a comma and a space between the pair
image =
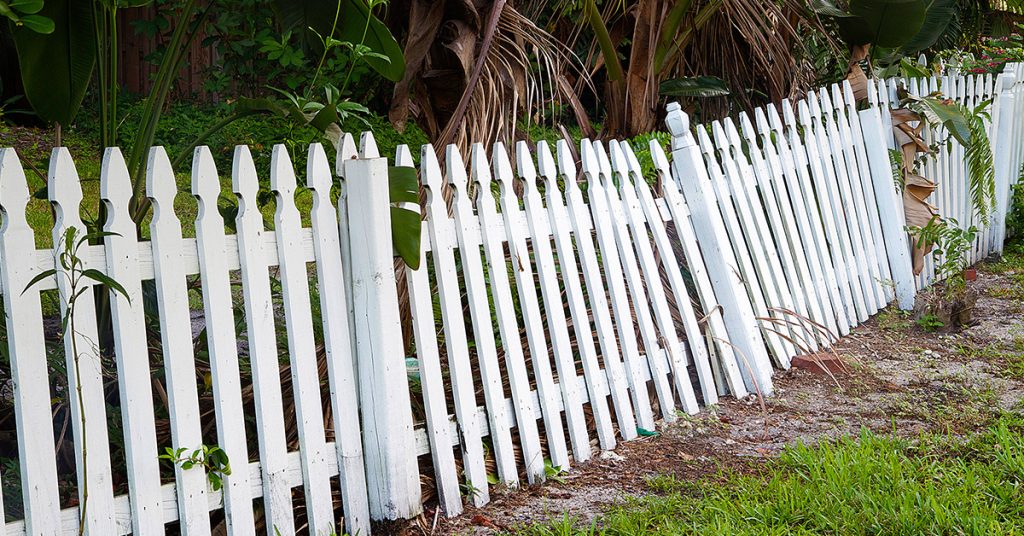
x: 901, y: 379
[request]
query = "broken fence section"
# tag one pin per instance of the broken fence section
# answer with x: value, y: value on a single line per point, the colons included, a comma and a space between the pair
x: 562, y: 304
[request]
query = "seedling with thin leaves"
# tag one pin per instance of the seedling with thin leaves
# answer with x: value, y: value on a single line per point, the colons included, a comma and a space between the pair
x: 80, y: 280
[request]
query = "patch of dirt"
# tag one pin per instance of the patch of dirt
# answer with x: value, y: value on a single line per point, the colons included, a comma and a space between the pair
x: 900, y: 380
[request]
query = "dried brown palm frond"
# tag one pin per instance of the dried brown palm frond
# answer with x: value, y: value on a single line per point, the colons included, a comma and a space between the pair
x: 476, y: 70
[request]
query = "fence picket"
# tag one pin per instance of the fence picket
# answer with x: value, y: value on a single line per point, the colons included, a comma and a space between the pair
x: 695, y: 263
x: 431, y: 377
x: 131, y: 350
x: 219, y: 318
x: 442, y: 245
x: 334, y: 299
x: 466, y: 222
x: 27, y: 347
x: 618, y: 239
x: 508, y: 328
x: 176, y: 342
x: 798, y: 256
x: 85, y: 371
x: 639, y: 196
x: 302, y: 354
x: 262, y: 339
x: 621, y: 364
x: 813, y: 182
x: 863, y: 187
x: 762, y: 251
x: 516, y: 232
x: 627, y: 206
x: 541, y: 229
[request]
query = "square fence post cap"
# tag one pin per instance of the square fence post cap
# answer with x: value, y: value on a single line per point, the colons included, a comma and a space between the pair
x: 677, y: 121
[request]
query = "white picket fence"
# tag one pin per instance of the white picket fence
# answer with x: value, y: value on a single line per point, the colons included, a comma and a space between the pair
x: 561, y: 306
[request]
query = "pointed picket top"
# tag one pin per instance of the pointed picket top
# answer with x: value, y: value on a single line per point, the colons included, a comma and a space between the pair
x: 632, y: 162
x: 704, y: 140
x: 788, y: 114
x: 503, y: 175
x: 161, y: 186
x: 65, y: 192
x: 746, y: 127
x: 243, y: 180
x: 481, y: 170
x: 803, y: 109
x: 430, y: 169
x: 14, y: 194
x: 346, y: 151
x: 205, y: 181
x: 591, y: 166
x: 718, y: 133
x: 456, y: 167
x: 546, y: 166
x: 813, y: 104
x: 733, y: 136
x: 403, y: 156
x: 825, y: 103
x: 527, y: 171
x: 115, y: 184
x: 282, y: 176
x: 318, y: 171
x: 605, y: 165
x: 619, y: 163
x: 838, y: 101
x: 661, y: 163
x: 848, y: 97
x: 567, y: 166
x: 368, y: 146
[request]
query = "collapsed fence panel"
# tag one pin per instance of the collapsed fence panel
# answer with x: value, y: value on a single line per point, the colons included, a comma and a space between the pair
x: 546, y: 320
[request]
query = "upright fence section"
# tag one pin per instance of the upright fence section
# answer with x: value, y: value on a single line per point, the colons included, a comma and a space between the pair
x: 567, y: 299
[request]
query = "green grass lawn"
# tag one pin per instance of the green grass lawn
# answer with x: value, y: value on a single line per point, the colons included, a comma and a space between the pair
x: 872, y: 484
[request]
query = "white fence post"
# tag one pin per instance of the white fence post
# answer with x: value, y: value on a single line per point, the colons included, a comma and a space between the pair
x: 392, y: 475
x: 887, y: 198
x: 1002, y: 151
x: 692, y: 176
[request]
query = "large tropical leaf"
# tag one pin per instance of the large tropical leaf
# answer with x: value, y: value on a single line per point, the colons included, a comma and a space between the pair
x: 694, y: 86
x: 56, y: 67
x: 405, y: 223
x: 354, y: 19
x: 884, y: 23
x: 939, y: 15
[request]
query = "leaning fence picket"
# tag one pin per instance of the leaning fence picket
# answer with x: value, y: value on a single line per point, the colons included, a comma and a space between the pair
x: 716, y: 331
x: 480, y: 312
x: 334, y: 301
x: 616, y: 242
x: 442, y: 244
x: 541, y: 227
x: 262, y: 345
x: 625, y: 201
x: 626, y: 370
x: 219, y: 320
x: 516, y: 233
x: 638, y: 193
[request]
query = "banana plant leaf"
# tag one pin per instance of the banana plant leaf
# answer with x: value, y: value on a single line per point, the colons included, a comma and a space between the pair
x: 56, y: 67
x: 405, y: 223
x: 939, y: 14
x: 694, y: 86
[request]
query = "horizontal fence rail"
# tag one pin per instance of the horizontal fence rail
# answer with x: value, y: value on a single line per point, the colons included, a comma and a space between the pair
x: 566, y: 299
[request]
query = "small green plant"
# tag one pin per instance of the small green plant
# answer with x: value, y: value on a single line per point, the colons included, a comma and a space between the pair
x: 892, y: 319
x: 76, y: 283
x: 930, y: 323
x: 554, y: 472
x: 212, y: 458
x: 951, y: 245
